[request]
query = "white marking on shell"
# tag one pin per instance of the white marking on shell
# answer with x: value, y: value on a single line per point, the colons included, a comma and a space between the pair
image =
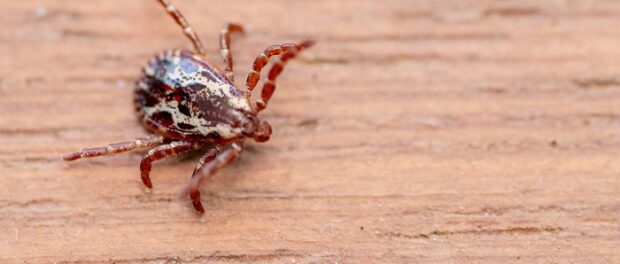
x: 202, y: 126
x: 148, y: 70
x: 214, y: 88
x: 143, y: 85
x: 217, y: 88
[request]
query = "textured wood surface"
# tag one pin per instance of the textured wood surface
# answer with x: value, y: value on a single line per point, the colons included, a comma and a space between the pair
x: 415, y: 131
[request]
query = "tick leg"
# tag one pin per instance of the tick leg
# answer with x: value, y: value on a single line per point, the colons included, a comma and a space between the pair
x: 225, y: 48
x: 187, y: 29
x: 212, y: 163
x: 160, y: 152
x: 270, y: 85
x: 262, y: 59
x: 206, y: 158
x: 147, y: 141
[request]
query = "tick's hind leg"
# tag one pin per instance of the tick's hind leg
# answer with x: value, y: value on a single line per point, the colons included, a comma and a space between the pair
x: 160, y: 152
x: 225, y: 48
x: 187, y: 29
x: 147, y: 141
x: 211, y: 163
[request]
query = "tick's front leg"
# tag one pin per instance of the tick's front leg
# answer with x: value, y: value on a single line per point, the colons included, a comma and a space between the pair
x: 187, y: 29
x: 270, y: 85
x: 262, y: 60
x: 143, y: 142
x: 225, y: 48
x: 172, y: 149
x: 211, y: 164
x: 288, y: 51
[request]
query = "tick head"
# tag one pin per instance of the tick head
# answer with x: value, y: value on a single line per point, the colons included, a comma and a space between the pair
x: 259, y: 130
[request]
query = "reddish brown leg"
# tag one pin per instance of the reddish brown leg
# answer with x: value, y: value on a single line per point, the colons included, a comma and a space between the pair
x: 147, y: 141
x: 270, y: 85
x: 262, y: 59
x: 225, y: 48
x: 211, y: 164
x: 187, y: 29
x: 160, y: 152
x: 206, y: 158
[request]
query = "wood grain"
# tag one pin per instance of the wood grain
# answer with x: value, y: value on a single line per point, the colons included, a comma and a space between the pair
x: 415, y: 131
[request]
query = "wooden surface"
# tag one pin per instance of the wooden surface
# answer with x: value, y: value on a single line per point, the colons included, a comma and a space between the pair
x: 415, y: 131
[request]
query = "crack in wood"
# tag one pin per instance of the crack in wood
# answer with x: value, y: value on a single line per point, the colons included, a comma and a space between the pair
x: 511, y: 12
x: 597, y: 83
x: 276, y: 255
x: 519, y: 230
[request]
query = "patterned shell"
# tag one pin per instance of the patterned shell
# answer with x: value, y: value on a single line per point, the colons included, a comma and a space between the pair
x: 182, y: 97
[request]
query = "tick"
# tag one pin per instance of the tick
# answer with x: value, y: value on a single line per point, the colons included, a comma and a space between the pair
x: 188, y: 103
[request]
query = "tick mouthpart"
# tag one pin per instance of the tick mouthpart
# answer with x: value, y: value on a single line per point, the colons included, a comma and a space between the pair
x: 257, y: 129
x: 263, y: 132
x: 250, y: 124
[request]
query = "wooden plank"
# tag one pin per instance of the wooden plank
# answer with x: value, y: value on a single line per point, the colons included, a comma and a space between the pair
x: 415, y: 131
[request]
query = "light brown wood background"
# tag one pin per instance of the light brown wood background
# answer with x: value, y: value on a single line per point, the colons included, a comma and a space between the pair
x: 415, y: 131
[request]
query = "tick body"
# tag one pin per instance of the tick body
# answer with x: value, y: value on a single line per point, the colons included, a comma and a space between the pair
x: 188, y: 103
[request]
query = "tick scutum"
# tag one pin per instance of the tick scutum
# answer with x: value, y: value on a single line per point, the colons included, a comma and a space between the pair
x: 183, y: 97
